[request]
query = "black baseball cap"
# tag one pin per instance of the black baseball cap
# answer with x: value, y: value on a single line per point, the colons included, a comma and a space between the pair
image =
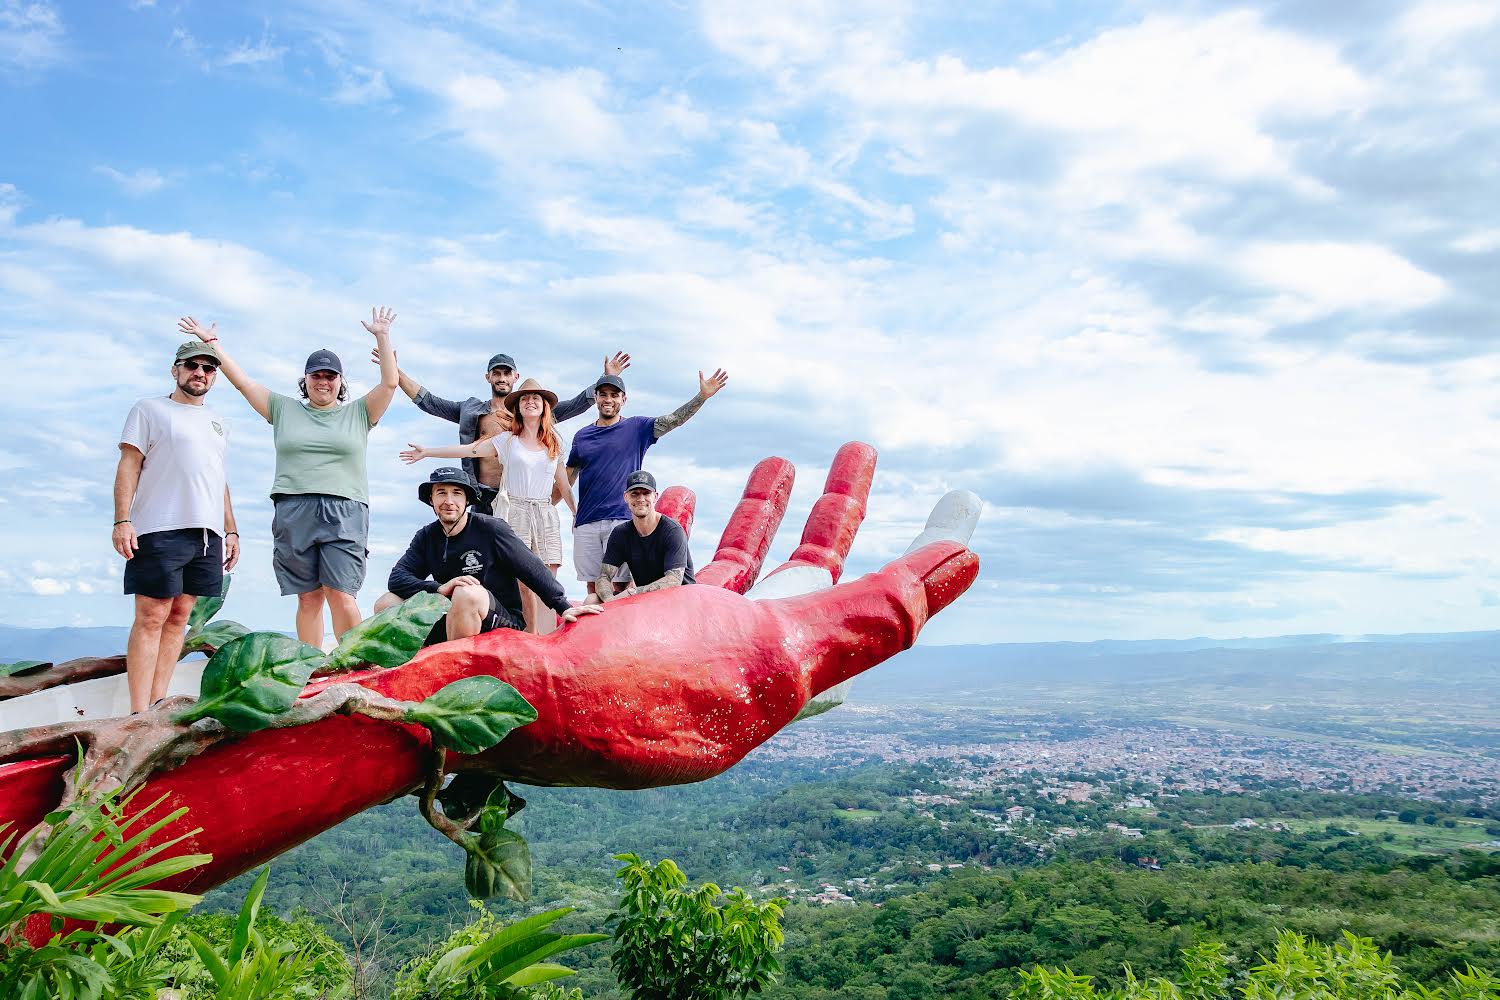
x: 611, y: 380
x: 500, y: 360
x: 323, y: 361
x: 640, y: 479
x: 448, y: 475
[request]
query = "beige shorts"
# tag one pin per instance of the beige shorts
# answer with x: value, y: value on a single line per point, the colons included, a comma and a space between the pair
x: 536, y: 523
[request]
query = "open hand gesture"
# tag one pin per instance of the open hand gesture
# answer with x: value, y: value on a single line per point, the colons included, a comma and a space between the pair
x: 380, y: 321
x: 571, y: 615
x: 375, y: 355
x: 414, y: 453
x: 708, y: 386
x: 193, y: 328
x: 617, y: 364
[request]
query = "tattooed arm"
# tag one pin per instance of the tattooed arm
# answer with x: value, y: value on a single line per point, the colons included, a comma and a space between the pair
x: 671, y: 578
x: 604, y: 585
x: 706, y: 388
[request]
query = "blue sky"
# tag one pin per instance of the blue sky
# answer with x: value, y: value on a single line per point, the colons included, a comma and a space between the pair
x: 1200, y: 298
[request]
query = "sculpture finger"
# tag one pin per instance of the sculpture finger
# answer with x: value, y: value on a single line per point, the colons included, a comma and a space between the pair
x: 833, y: 522
x: 747, y: 535
x: 679, y: 503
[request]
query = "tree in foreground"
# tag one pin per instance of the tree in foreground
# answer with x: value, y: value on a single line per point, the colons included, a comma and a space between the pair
x: 1298, y: 969
x: 673, y: 943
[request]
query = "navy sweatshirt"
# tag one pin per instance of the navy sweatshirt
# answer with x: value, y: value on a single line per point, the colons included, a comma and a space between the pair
x: 488, y: 551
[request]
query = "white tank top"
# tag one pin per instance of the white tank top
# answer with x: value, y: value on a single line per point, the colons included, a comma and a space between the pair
x: 529, y: 475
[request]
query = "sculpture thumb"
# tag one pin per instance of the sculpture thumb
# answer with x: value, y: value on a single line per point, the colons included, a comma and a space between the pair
x: 847, y: 629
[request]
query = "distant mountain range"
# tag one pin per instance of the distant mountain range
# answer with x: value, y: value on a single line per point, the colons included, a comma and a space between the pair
x: 1278, y: 664
x: 59, y: 644
x: 1441, y: 659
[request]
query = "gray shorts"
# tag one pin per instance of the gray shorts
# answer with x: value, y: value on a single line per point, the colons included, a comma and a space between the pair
x: 588, y: 550
x: 319, y: 541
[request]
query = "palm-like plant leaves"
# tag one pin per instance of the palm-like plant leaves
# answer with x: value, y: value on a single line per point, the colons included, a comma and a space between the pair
x: 510, y: 956
x: 253, y: 680
x: 473, y: 714
x: 390, y: 638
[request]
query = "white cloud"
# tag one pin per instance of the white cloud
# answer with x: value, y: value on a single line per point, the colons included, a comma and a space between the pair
x: 249, y: 53
x: 31, y: 35
x: 1325, y: 277
x: 141, y: 181
x: 361, y: 85
x: 49, y: 587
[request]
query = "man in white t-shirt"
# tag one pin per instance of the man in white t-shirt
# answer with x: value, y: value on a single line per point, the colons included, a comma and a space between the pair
x: 174, y: 523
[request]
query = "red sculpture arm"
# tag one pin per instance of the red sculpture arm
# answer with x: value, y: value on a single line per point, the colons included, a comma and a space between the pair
x: 663, y: 688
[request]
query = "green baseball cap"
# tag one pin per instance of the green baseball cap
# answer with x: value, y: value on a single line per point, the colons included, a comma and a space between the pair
x: 198, y: 349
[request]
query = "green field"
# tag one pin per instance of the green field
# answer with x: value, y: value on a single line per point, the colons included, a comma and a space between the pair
x: 1408, y: 838
x: 859, y: 814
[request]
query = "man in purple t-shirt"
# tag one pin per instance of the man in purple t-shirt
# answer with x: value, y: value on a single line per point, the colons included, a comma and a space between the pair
x: 603, y: 456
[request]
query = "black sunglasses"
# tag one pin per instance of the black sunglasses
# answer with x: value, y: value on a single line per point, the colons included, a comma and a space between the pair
x: 197, y: 366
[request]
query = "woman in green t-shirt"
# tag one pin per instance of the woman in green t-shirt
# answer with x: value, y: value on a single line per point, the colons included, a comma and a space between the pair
x: 321, y: 492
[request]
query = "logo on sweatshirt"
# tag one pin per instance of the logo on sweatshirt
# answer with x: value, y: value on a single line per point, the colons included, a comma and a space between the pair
x: 472, y: 564
x: 218, y: 427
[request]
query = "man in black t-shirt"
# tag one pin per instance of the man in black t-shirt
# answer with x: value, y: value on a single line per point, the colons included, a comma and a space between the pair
x: 654, y: 547
x: 474, y: 560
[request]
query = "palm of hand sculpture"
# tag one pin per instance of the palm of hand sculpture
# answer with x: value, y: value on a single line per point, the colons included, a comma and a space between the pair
x: 663, y: 688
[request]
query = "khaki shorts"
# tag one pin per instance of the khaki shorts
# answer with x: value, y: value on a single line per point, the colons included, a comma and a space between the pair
x: 536, y: 523
x: 589, y: 541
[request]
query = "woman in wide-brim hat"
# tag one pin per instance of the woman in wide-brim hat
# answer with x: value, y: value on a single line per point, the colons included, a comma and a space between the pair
x: 534, y: 477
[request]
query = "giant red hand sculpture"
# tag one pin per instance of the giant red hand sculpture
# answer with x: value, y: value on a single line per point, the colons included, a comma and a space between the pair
x: 662, y: 688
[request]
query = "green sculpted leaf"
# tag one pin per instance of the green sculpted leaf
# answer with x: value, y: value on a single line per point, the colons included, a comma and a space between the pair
x: 499, y: 865
x: 390, y: 638
x: 473, y: 714
x: 21, y: 667
x: 205, y: 608
x: 252, y: 680
x: 214, y: 636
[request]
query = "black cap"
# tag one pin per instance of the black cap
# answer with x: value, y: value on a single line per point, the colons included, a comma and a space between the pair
x: 501, y: 359
x: 638, y: 479
x: 323, y: 361
x: 451, y: 476
x: 613, y: 380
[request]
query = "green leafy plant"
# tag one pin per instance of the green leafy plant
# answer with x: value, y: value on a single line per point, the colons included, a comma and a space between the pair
x: 252, y: 968
x: 473, y: 714
x: 1297, y: 969
x: 252, y: 681
x: 255, y: 678
x: 673, y: 943
x: 20, y: 667
x: 390, y: 638
x: 203, y: 635
x: 92, y: 869
x: 490, y: 960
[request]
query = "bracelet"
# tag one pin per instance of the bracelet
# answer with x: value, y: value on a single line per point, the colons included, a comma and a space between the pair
x: 210, y: 340
x: 118, y: 523
x: 236, y: 534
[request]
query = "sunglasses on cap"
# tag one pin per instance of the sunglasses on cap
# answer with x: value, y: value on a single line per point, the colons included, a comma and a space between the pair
x: 206, y: 367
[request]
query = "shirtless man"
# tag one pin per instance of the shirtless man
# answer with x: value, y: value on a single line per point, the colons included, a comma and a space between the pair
x: 478, y: 418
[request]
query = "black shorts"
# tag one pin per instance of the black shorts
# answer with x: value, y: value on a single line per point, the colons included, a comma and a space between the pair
x: 180, y: 561
x: 496, y: 617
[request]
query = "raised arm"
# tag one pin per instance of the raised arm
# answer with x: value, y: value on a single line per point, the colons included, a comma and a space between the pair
x: 707, y: 387
x: 405, y: 382
x: 378, y: 399
x: 257, y: 395
x: 567, y: 409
